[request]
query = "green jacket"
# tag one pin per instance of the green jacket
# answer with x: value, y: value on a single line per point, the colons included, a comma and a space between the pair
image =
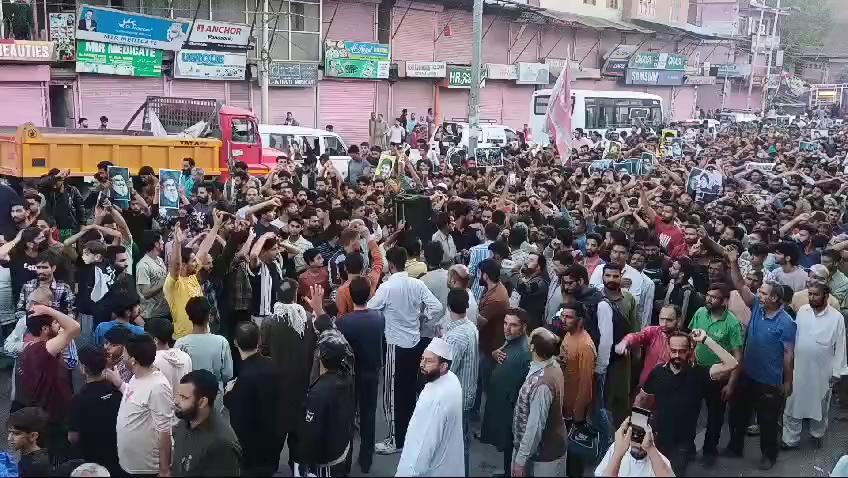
x: 502, y: 393
x: 211, y: 449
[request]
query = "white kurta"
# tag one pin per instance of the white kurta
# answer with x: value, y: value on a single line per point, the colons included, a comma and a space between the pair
x: 819, y: 355
x: 433, y: 445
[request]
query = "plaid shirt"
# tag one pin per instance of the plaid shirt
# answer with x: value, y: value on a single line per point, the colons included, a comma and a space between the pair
x: 211, y: 294
x: 63, y: 297
x: 240, y: 291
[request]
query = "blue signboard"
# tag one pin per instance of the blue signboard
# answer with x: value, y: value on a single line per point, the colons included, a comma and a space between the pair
x: 654, y: 77
x: 115, y: 26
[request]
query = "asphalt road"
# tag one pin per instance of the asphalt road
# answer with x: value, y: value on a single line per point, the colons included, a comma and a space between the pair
x: 485, y: 460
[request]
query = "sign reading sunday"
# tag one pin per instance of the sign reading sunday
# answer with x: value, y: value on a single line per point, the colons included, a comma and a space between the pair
x: 116, y: 26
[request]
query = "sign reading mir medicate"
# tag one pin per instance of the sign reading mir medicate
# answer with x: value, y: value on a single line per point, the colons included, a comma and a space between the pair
x: 207, y: 32
x: 109, y: 59
x: 26, y: 51
x: 293, y: 74
x: 648, y: 60
x: 116, y: 26
x: 210, y: 65
x: 351, y: 59
x: 426, y: 69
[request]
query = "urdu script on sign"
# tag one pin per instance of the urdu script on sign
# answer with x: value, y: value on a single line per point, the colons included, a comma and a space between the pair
x: 8, y: 50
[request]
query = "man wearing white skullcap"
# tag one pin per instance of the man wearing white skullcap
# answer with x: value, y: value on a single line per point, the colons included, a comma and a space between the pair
x: 434, y: 445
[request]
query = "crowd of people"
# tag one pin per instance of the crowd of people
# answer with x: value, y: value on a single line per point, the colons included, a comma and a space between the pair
x: 574, y: 316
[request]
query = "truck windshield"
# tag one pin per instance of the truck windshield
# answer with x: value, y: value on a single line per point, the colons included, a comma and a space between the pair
x: 244, y: 131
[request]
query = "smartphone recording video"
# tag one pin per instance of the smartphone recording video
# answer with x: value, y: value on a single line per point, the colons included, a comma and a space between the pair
x: 639, y: 418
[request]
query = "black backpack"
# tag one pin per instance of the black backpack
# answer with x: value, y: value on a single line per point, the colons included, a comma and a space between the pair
x: 620, y: 327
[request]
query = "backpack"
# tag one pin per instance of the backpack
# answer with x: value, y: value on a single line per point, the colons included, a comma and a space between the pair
x: 620, y: 325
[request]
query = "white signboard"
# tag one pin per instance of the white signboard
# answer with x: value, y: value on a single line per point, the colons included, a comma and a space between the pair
x: 497, y: 71
x: 426, y: 69
x: 533, y: 74
x: 206, y: 32
x: 210, y: 65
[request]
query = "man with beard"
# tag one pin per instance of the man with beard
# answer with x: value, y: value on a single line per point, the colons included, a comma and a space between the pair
x: 766, y: 378
x: 533, y: 288
x: 721, y: 326
x: 204, y: 442
x: 63, y: 296
x: 150, y: 278
x: 539, y: 435
x: 641, y: 287
x: 670, y: 236
x: 433, y: 445
x: 203, y: 207
x: 677, y: 389
x: 786, y: 256
x: 512, y: 360
x: 43, y: 378
x: 593, y: 253
x: 112, y: 279
x: 115, y: 344
x: 125, y: 310
x: 679, y: 290
x: 819, y: 363
x: 62, y: 202
x: 494, y: 304
x: 186, y: 179
x: 652, y: 340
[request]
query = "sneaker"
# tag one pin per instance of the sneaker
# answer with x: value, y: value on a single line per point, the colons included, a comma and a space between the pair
x: 708, y: 460
x: 753, y: 430
x: 785, y: 446
x: 387, y: 447
x: 766, y: 464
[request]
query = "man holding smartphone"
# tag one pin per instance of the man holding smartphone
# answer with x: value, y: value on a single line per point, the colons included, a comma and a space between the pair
x: 678, y: 389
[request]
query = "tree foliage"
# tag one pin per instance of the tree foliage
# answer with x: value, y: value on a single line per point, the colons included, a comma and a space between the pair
x: 806, y: 27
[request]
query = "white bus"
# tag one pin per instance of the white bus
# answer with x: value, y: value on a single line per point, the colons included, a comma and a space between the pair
x: 600, y: 111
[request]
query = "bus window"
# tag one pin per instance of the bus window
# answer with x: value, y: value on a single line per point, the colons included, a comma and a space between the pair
x: 540, y: 106
x: 591, y: 117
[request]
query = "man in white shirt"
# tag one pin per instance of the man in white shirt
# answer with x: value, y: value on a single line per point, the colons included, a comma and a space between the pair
x: 434, y: 444
x: 400, y: 299
x: 146, y: 415
x: 396, y: 133
x: 627, y: 458
x: 820, y: 362
x: 641, y: 287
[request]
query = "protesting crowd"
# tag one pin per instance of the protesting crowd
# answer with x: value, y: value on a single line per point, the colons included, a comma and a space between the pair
x: 575, y: 312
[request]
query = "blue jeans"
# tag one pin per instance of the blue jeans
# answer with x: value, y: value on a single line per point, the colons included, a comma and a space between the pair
x: 466, y: 435
x: 599, y: 417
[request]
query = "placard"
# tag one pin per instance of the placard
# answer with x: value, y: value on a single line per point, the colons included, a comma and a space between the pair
x: 426, y: 69
x: 385, y: 167
x: 63, y: 27
x: 808, y: 147
x: 613, y: 151
x: 489, y: 157
x: 120, y: 190
x: 349, y: 59
x: 169, y: 188
x: 705, y: 184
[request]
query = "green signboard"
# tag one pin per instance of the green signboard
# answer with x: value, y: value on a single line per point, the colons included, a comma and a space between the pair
x: 350, y: 59
x: 111, y: 59
x: 459, y: 76
x: 649, y: 60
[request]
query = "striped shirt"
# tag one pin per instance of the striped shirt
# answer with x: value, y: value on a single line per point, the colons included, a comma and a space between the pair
x: 476, y: 255
x: 463, y: 338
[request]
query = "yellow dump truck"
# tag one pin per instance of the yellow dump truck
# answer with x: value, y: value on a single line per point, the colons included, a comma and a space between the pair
x: 30, y: 152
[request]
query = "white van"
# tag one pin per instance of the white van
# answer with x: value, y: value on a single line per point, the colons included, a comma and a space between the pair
x: 291, y: 139
x: 456, y: 133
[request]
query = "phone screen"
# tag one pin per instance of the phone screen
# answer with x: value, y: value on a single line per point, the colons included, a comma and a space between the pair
x: 639, y: 418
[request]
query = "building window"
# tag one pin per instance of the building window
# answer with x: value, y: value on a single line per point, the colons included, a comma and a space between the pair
x: 589, y: 2
x: 295, y: 26
x: 612, y: 4
x: 647, y: 8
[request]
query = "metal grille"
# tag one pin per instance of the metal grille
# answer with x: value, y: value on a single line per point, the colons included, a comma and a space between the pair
x: 177, y: 114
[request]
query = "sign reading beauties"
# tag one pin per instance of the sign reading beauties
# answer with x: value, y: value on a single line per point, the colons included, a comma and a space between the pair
x: 207, y: 32
x: 293, y: 74
x: 350, y: 59
x: 116, y: 26
x: 26, y: 51
x: 108, y: 59
x: 210, y: 65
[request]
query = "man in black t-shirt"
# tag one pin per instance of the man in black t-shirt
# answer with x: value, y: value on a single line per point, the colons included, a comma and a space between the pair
x: 678, y: 388
x: 94, y: 412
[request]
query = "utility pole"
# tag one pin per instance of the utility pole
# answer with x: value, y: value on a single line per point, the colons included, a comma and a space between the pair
x: 756, y: 51
x: 474, y: 96
x: 770, y: 58
x: 264, y: 64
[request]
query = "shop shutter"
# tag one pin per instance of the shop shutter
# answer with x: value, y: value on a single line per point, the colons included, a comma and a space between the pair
x: 491, y: 101
x: 347, y: 105
x: 23, y: 102
x: 117, y: 97
x: 239, y: 94
x: 413, y: 32
x: 300, y: 101
x: 414, y: 95
x: 516, y: 105
x: 351, y: 21
x: 455, y: 48
x: 204, y: 89
x: 453, y: 104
